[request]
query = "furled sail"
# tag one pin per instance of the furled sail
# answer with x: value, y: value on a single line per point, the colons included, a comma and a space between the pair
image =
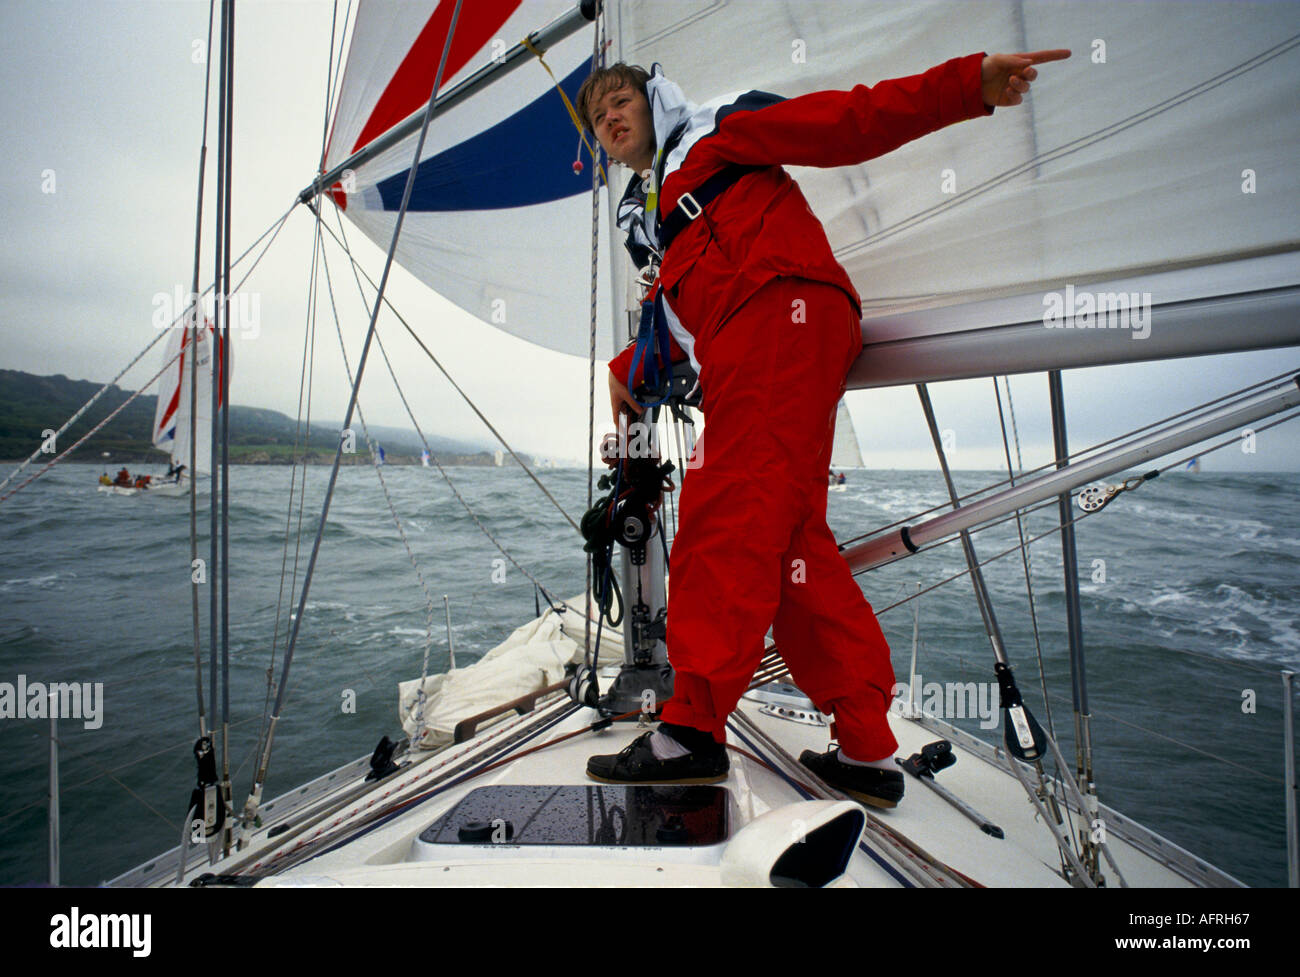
x: 171, y: 427
x: 499, y: 222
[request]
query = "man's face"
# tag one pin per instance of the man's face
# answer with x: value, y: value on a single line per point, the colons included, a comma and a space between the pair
x: 622, y: 122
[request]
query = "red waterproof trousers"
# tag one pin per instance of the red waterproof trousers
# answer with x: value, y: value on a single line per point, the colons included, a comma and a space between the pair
x: 753, y: 550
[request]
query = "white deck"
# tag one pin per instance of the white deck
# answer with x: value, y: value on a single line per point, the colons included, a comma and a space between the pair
x: 342, y: 830
x: 1026, y: 857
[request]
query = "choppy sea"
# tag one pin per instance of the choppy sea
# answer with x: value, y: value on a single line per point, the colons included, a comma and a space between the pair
x: 1190, y: 598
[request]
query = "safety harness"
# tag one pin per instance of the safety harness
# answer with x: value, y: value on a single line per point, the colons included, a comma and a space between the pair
x: 652, y: 331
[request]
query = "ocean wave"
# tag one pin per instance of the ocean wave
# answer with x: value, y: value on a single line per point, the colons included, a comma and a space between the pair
x: 43, y: 582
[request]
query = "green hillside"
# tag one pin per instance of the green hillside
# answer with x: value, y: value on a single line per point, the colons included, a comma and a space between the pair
x: 31, y: 405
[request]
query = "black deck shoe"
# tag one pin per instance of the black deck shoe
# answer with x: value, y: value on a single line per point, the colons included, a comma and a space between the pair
x: 870, y: 785
x: 706, y: 764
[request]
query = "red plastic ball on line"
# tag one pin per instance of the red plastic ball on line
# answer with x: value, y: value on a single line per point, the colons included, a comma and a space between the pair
x: 577, y: 166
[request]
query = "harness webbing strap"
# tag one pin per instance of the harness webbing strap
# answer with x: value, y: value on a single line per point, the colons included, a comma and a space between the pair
x: 652, y: 345
x: 691, y: 205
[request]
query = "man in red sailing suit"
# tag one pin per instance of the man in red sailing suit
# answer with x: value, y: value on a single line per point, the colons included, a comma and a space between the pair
x: 753, y: 296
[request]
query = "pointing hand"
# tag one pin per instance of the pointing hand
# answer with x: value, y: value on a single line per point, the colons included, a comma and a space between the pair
x: 1005, y: 78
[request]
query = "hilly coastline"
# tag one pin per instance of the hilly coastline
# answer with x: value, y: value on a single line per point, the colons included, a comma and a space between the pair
x: 31, y: 406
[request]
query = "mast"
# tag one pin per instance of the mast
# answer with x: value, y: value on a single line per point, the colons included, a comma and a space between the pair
x: 229, y: 67
x: 195, y: 331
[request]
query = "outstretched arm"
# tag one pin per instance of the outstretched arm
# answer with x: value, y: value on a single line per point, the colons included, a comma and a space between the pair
x: 836, y: 128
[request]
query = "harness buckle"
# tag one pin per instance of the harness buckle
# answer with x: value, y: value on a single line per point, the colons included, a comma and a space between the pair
x: 682, y: 203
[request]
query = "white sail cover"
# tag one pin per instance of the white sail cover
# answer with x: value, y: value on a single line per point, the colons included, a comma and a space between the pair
x: 171, y: 426
x: 533, y: 657
x: 1167, y: 141
x: 499, y: 223
x: 845, y: 452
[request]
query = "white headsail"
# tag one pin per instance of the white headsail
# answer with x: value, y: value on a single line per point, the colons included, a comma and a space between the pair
x: 171, y: 428
x: 845, y: 453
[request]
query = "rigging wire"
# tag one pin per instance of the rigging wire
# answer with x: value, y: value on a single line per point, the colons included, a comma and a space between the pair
x: 221, y: 408
x: 419, y: 342
x: 87, y: 405
x: 1020, y: 530
x: 383, y: 484
x: 1074, y: 456
x: 1080, y: 516
x: 306, y: 375
x: 1007, y: 518
x: 1195, y: 749
x: 196, y: 628
x: 89, y: 757
x: 306, y: 372
x: 274, y: 227
x: 1029, y: 584
x: 1059, y: 528
x: 357, y: 271
x: 1072, y: 147
x: 590, y: 655
x: 93, y: 431
x: 260, y: 779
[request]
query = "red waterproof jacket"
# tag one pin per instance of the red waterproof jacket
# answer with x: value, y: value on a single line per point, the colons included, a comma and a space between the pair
x: 762, y: 227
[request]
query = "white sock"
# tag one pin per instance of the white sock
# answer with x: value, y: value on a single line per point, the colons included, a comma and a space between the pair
x: 885, y: 763
x: 665, y: 747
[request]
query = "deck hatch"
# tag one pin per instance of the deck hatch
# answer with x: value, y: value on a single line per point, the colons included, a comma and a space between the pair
x: 652, y: 816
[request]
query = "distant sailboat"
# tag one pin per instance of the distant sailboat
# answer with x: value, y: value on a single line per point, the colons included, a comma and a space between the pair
x: 845, y: 453
x: 424, y: 457
x: 171, y: 426
x: 1194, y: 466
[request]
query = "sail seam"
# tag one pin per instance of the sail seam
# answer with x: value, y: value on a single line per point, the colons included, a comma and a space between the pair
x: 1070, y: 148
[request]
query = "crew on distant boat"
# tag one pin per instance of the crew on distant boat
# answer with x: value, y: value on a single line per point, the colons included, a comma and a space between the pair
x: 105, y: 480
x: 123, y: 478
x: 835, y: 479
x: 142, y: 481
x: 174, y: 472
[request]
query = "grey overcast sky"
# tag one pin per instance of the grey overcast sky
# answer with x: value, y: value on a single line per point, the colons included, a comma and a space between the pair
x: 102, y: 106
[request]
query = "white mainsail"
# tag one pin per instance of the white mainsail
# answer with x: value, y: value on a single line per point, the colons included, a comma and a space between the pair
x: 1154, y: 148
x: 1155, y: 157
